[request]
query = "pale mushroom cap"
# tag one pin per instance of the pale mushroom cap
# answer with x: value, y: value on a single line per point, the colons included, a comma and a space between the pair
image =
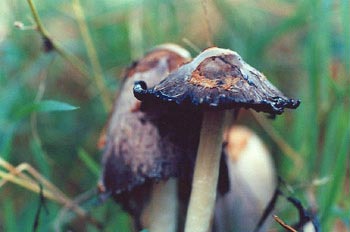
x: 174, y: 48
x: 249, y: 157
x: 252, y: 178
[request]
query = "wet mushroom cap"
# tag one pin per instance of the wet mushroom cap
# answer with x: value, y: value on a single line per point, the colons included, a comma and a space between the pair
x: 217, y: 78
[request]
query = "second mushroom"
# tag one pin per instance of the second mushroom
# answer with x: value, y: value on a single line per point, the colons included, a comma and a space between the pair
x: 214, y: 82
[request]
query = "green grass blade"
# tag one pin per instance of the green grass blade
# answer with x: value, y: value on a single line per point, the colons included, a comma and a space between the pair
x: 9, y: 216
x: 345, y: 7
x: 330, y: 144
x: 89, y: 162
x: 317, y: 64
x: 51, y: 105
x: 40, y: 157
x: 337, y: 182
x: 43, y: 106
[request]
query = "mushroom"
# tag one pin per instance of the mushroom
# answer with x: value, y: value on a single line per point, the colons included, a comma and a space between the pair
x: 215, y: 81
x: 144, y: 144
x: 252, y: 174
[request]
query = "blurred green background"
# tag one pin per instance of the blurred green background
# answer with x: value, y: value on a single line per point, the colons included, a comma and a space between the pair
x: 303, y: 47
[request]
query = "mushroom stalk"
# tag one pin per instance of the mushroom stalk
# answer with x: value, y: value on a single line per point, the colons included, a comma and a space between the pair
x: 161, y: 213
x: 205, y: 177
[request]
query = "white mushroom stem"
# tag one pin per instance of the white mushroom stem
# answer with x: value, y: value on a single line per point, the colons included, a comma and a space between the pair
x: 161, y: 213
x: 205, y: 177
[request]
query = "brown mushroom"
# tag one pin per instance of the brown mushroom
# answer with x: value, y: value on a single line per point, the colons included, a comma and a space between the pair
x: 215, y: 80
x: 144, y: 144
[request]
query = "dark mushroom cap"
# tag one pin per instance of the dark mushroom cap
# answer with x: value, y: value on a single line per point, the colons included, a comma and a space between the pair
x: 217, y: 79
x: 145, y: 143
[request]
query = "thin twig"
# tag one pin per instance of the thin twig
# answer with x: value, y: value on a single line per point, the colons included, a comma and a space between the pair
x: 39, y: 25
x: 283, y: 224
x: 191, y: 45
x: 50, y: 191
x: 92, y: 54
x: 19, y: 176
x: 13, y: 171
x: 135, y: 32
x: 281, y: 143
x: 77, y: 200
x: 24, y: 183
x: 74, y: 61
